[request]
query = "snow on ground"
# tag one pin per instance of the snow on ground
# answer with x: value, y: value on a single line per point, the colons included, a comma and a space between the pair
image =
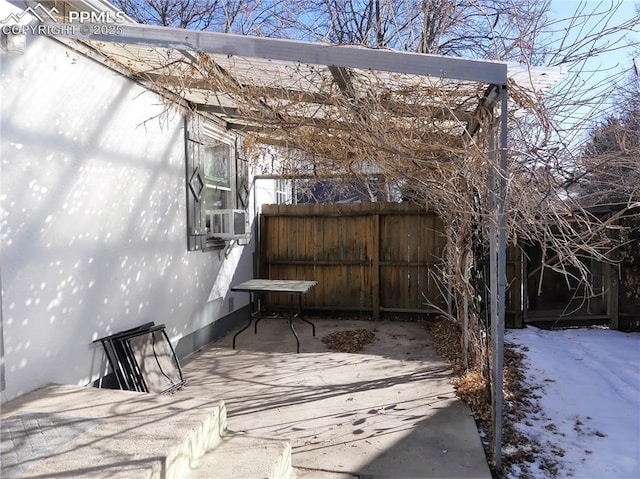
x: 589, y: 398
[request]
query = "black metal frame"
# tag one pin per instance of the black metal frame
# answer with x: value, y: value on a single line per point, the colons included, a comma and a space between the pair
x: 117, y: 348
x: 258, y: 315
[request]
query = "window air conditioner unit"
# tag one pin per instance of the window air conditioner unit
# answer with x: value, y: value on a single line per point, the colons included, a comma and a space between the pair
x: 227, y: 224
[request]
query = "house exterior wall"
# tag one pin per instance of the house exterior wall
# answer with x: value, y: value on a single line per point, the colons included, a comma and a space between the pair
x: 93, y: 221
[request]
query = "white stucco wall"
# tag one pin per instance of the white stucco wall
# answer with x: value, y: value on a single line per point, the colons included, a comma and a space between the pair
x: 92, y: 205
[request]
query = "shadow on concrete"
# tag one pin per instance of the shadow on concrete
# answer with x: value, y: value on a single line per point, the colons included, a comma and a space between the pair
x: 388, y: 411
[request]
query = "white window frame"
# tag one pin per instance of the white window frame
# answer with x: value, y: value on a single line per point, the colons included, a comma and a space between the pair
x: 201, y: 187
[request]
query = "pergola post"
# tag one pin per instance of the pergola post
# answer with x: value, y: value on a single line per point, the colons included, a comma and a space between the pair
x: 497, y: 264
x: 2, y: 379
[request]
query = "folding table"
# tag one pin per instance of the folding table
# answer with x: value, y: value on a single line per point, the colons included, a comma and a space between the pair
x: 257, y: 287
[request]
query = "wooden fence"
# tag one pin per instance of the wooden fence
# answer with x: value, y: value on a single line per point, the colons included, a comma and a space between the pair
x: 366, y: 257
x: 378, y: 258
x: 563, y: 301
x: 369, y: 257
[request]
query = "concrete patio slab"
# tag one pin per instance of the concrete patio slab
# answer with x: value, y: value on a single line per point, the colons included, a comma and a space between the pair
x: 387, y: 412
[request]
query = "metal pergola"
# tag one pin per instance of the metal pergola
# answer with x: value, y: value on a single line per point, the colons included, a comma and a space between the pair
x: 133, y: 48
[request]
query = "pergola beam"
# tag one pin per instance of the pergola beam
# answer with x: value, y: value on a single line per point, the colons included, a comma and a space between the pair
x: 295, y: 51
x: 243, y: 121
x: 342, y: 77
x: 204, y: 84
x: 295, y: 96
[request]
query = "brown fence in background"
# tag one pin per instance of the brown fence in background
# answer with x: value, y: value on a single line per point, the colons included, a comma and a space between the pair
x: 378, y: 258
x: 612, y: 297
x: 366, y: 257
x: 562, y: 301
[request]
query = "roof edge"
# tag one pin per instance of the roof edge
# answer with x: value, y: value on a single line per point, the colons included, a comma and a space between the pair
x: 296, y: 51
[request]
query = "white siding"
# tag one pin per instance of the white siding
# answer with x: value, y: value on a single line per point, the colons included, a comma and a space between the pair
x: 93, y: 234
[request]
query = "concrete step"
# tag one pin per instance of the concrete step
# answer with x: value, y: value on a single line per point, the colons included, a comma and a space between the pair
x: 82, y: 432
x: 238, y: 456
x: 304, y: 473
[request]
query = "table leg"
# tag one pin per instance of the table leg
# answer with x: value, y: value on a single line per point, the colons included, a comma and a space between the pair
x: 260, y: 317
x: 243, y: 329
x: 254, y: 314
x: 299, y: 315
x: 291, y: 316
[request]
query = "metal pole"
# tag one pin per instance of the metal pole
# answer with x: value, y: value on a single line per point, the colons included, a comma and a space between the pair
x: 498, y: 228
x: 502, y: 258
x: 450, y: 284
x: 3, y: 383
x: 496, y: 376
x: 465, y: 322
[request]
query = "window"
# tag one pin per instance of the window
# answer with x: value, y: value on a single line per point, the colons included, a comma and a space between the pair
x: 282, y: 192
x: 216, y: 187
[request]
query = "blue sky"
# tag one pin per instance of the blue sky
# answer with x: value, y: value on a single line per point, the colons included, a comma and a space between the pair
x: 624, y: 10
x: 599, y: 74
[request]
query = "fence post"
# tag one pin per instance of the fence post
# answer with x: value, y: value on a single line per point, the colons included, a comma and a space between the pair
x: 375, y: 266
x: 612, y: 278
x: 613, y: 293
x: 517, y: 288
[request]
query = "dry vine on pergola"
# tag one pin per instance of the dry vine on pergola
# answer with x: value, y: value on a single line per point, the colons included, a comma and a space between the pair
x: 427, y: 136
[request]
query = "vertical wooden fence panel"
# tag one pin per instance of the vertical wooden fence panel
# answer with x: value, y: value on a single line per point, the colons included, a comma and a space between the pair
x: 513, y: 299
x: 374, y: 256
x: 370, y: 257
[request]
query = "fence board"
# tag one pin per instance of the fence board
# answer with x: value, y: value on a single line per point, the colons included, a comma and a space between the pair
x: 365, y: 257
